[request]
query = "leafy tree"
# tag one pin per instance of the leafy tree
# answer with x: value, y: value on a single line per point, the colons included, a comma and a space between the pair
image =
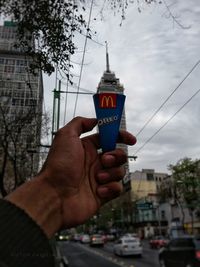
x: 16, y: 139
x: 19, y: 146
x: 186, y: 179
x: 52, y: 24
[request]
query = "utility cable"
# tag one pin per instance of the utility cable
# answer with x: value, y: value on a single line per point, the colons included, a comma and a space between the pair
x: 84, y: 50
x: 82, y: 89
x: 148, y: 140
x: 92, y: 40
x: 177, y: 87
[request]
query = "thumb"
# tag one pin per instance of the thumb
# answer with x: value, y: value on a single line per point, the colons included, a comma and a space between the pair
x: 80, y: 125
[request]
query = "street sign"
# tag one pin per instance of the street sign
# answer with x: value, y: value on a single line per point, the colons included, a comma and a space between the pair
x: 145, y: 206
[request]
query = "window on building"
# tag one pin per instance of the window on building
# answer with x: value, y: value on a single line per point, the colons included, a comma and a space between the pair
x: 150, y: 177
x: 30, y: 102
x: 162, y: 214
x: 2, y: 84
x: 17, y: 101
x: 1, y: 60
x: 154, y: 214
x: 9, y: 69
x: 9, y: 61
x: 1, y: 68
x: 21, y: 62
x: 20, y: 69
x: 4, y: 45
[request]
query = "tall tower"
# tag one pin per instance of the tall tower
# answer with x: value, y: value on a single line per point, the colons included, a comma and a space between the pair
x: 21, y: 96
x: 110, y: 84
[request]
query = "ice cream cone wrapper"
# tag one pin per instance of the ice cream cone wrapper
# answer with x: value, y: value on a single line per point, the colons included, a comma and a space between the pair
x: 109, y: 108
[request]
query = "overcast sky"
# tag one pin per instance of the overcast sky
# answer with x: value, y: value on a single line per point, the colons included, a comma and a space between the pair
x: 151, y: 55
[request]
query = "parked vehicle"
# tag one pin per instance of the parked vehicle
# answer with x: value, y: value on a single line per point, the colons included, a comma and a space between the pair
x: 85, y: 239
x: 108, y: 238
x: 127, y: 246
x: 158, y: 242
x: 181, y: 252
x: 96, y: 240
x: 132, y: 235
x: 62, y: 236
x: 77, y: 237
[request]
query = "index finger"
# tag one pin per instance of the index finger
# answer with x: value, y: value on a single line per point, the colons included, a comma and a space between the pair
x: 126, y: 138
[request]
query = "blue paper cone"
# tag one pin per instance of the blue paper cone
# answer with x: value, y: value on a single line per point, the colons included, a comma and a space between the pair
x: 109, y: 108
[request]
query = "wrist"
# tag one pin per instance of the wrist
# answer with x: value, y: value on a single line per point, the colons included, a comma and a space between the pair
x: 41, y: 202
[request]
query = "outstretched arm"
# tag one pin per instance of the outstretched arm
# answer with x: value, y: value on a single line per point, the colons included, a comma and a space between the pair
x: 75, y: 179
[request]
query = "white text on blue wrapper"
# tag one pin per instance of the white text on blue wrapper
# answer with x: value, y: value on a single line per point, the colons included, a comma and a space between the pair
x: 107, y: 120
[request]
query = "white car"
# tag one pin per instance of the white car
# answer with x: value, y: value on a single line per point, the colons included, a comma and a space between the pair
x: 132, y: 235
x: 85, y: 239
x: 126, y: 246
x: 96, y: 240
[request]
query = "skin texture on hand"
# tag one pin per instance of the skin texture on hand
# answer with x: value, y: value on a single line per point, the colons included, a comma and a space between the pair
x: 75, y: 178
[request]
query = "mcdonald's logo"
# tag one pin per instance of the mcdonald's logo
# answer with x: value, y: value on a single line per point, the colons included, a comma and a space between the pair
x: 107, y: 100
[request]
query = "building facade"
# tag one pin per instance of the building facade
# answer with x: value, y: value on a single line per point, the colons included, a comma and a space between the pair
x: 180, y: 218
x: 21, y: 96
x: 146, y: 183
x: 150, y: 217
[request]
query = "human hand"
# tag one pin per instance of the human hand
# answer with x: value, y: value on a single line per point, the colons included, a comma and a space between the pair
x: 75, y: 179
x: 83, y: 178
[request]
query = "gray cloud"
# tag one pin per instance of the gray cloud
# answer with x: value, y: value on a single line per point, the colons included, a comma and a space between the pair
x: 151, y: 55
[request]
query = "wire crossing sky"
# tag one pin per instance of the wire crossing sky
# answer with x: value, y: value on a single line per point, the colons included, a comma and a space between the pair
x: 150, y: 138
x: 151, y: 54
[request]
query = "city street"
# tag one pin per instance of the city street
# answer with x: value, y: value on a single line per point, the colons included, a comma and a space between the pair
x: 82, y: 255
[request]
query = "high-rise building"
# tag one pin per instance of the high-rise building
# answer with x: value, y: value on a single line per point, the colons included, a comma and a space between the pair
x: 118, y: 212
x: 110, y: 84
x: 21, y: 96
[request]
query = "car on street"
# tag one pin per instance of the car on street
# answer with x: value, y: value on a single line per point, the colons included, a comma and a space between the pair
x: 108, y: 238
x: 77, y: 237
x: 126, y: 246
x: 132, y: 235
x: 62, y: 236
x: 181, y: 252
x: 96, y: 240
x: 85, y: 238
x: 158, y: 241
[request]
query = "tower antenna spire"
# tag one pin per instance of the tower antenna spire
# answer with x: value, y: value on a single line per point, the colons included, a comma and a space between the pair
x: 107, y: 58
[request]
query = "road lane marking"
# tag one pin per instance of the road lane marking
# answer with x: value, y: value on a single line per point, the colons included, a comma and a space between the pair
x: 109, y: 258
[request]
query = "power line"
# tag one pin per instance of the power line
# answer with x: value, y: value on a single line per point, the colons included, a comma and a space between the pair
x: 80, y: 93
x: 80, y: 88
x: 150, y: 119
x: 83, y: 58
x: 148, y: 140
x: 85, y: 35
